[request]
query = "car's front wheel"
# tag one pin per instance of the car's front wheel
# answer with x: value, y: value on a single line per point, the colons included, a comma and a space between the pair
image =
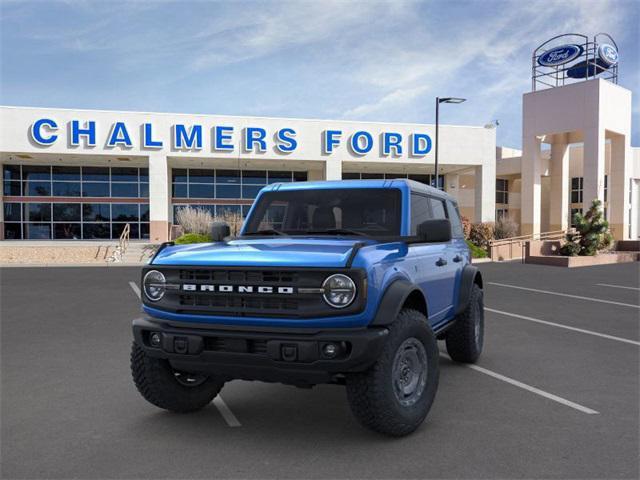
x: 170, y: 389
x: 395, y: 395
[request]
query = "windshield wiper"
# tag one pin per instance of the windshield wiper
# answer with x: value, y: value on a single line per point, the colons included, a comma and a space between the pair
x: 337, y: 231
x: 266, y: 231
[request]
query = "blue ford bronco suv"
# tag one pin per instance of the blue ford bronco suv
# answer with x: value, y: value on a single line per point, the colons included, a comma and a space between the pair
x: 343, y: 282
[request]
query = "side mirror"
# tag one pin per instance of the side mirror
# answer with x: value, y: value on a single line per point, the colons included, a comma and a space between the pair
x: 220, y: 231
x: 435, y: 231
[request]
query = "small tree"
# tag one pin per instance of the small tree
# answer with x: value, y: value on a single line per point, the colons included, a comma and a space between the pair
x: 591, y: 235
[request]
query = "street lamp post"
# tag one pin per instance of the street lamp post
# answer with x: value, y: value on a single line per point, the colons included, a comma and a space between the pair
x: 438, y: 102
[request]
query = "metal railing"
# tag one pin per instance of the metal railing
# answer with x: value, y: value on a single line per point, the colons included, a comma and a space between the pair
x: 123, y: 244
x: 516, y: 245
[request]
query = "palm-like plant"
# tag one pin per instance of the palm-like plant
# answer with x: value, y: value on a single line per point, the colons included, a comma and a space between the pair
x: 591, y: 233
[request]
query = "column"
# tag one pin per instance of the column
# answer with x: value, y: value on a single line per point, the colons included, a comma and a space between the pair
x: 618, y: 188
x: 559, y: 204
x: 159, y: 197
x: 593, y: 167
x: 485, y: 192
x: 452, y: 184
x: 531, y: 187
x: 332, y: 169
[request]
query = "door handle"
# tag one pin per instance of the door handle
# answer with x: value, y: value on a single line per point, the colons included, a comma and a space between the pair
x: 441, y: 262
x: 457, y: 258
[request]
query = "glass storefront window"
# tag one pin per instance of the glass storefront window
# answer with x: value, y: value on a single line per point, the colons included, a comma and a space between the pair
x: 197, y: 190
x: 36, y: 172
x: 198, y: 175
x: 128, y: 174
x: 228, y: 191
x: 66, y: 189
x: 250, y: 191
x: 95, y: 174
x: 96, y: 212
x: 69, y: 231
x: 254, y: 177
x: 96, y: 231
x: 11, y: 172
x: 124, y: 190
x: 13, y: 231
x: 37, y: 231
x: 124, y: 212
x: 66, y: 173
x: 12, y: 189
x: 66, y: 212
x: 95, y: 189
x: 228, y: 176
x: 12, y: 212
x: 37, y: 189
x: 37, y: 212
x: 47, y: 220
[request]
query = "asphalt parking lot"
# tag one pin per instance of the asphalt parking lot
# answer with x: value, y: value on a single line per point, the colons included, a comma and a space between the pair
x: 555, y: 394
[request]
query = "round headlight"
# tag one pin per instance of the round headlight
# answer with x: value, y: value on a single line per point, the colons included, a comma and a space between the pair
x: 339, y: 290
x: 154, y: 285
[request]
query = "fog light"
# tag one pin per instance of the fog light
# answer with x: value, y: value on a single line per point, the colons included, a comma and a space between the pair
x: 155, y: 339
x: 330, y: 350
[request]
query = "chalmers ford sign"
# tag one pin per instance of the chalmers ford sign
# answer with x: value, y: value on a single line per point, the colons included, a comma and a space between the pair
x: 46, y: 132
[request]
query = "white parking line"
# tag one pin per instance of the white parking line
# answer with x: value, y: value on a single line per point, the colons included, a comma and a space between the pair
x: 222, y: 407
x: 529, y: 388
x: 565, y: 295
x: 135, y: 288
x: 226, y: 413
x: 545, y: 322
x: 617, y: 286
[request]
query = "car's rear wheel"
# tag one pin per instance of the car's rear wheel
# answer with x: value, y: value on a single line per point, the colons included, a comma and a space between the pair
x: 466, y: 338
x: 395, y: 395
x: 170, y: 389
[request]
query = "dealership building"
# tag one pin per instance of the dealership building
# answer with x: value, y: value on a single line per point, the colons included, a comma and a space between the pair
x: 85, y: 174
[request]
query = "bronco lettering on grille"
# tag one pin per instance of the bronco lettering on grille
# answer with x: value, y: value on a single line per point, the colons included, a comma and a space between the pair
x: 192, y: 287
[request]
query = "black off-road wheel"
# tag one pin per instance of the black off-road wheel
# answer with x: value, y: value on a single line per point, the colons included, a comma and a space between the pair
x: 395, y: 395
x: 166, y: 388
x: 465, y: 339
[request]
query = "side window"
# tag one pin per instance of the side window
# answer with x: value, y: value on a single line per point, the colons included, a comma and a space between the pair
x: 420, y: 211
x: 456, y: 223
x: 438, y: 209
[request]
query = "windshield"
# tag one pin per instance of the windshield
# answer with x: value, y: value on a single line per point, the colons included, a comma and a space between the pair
x: 359, y: 211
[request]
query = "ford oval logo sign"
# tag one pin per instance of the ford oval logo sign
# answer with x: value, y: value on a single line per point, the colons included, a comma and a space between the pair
x: 608, y: 54
x: 560, y: 55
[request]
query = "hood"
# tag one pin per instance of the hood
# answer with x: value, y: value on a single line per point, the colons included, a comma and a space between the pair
x: 281, y: 252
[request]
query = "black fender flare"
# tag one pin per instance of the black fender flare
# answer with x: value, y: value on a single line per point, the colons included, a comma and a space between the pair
x: 470, y: 275
x: 392, y: 300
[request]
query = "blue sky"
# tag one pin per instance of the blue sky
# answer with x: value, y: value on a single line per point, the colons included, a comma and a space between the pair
x: 350, y: 60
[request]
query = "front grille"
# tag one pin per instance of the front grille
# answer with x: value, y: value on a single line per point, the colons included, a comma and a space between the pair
x: 235, y: 303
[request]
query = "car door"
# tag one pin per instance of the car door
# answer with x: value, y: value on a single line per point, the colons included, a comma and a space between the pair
x: 448, y: 261
x: 459, y: 245
x: 428, y: 263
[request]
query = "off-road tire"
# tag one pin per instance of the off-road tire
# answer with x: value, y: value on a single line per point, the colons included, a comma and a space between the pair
x: 462, y: 343
x: 156, y: 382
x: 371, y: 394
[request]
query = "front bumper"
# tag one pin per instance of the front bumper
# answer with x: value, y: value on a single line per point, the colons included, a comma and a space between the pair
x: 292, y: 356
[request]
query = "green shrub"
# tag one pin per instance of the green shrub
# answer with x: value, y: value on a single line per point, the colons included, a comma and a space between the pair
x: 476, y: 251
x: 192, y: 238
x: 591, y: 235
